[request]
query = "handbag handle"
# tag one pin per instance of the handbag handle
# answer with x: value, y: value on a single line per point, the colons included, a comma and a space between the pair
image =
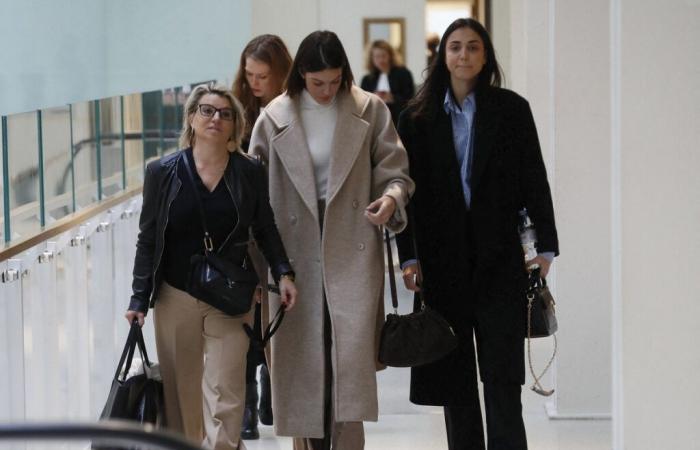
x: 269, y: 330
x: 133, y: 340
x: 392, y: 276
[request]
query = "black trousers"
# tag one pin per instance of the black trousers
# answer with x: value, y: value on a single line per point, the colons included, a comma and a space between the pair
x: 504, y: 421
x: 255, y: 356
x: 498, y: 354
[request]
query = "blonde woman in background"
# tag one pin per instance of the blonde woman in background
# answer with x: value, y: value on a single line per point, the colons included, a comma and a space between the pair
x: 392, y: 82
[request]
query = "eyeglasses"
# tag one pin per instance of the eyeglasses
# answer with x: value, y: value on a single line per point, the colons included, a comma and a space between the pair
x: 209, y: 111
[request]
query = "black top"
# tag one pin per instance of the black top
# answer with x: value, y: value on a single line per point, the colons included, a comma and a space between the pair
x: 402, y: 88
x: 184, y: 233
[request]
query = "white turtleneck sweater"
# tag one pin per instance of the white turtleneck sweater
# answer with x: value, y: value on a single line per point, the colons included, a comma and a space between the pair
x: 319, y: 123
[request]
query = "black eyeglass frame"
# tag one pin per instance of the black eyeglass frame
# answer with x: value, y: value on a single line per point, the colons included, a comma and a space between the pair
x: 216, y: 110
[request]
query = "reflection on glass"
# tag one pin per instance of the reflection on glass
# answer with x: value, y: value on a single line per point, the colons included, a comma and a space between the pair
x: 22, y: 138
x: 84, y: 154
x: 133, y: 139
x: 110, y: 146
x: 57, y: 162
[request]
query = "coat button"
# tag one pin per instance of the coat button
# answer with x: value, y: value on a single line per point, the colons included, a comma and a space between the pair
x: 360, y: 246
x: 355, y: 204
x: 293, y: 219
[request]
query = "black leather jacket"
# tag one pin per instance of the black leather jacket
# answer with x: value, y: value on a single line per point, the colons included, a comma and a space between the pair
x: 246, y: 182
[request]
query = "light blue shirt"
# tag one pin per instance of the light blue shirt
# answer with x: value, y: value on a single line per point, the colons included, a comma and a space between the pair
x: 462, y: 117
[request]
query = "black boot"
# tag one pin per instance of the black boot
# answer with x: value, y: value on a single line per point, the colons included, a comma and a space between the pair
x: 265, y: 397
x: 249, y: 429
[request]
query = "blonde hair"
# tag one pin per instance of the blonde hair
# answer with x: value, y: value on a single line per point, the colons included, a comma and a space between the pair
x: 187, y: 136
x: 394, y: 58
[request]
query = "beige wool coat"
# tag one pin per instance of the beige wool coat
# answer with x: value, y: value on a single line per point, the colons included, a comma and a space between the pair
x: 367, y: 161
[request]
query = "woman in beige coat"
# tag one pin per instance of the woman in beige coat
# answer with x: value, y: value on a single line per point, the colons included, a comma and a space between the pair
x: 337, y: 171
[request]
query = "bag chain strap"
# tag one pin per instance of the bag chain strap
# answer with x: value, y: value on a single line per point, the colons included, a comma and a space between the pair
x: 536, y: 386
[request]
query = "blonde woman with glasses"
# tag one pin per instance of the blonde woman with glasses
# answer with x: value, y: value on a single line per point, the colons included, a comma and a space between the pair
x: 202, y: 350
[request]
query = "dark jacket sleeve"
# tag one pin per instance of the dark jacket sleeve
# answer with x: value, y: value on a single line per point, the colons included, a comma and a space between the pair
x: 537, y: 194
x: 265, y: 229
x: 403, y: 88
x: 368, y: 83
x: 404, y: 240
x: 142, y: 284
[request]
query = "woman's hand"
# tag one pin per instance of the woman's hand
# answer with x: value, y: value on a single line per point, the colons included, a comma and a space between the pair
x: 131, y: 315
x: 410, y: 277
x: 288, y: 293
x: 540, y: 261
x: 380, y: 211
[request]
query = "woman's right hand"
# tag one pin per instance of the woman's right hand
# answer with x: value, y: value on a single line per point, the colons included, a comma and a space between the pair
x: 131, y: 315
x: 410, y: 277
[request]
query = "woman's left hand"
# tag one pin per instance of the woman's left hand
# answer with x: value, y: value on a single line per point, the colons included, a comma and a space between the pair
x: 288, y: 293
x: 380, y: 211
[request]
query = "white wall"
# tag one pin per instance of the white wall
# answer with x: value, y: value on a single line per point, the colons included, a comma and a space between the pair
x: 58, y: 52
x: 658, y: 96
x: 344, y: 17
x: 614, y: 85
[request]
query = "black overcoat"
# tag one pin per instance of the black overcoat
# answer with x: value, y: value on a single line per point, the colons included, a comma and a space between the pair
x: 484, y: 290
x: 402, y: 88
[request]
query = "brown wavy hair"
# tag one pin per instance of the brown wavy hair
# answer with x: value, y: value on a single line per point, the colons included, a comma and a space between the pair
x: 394, y: 59
x: 268, y: 49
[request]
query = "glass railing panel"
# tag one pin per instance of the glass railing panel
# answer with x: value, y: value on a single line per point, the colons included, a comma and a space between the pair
x: 23, y: 168
x: 171, y: 111
x: 133, y: 139
x: 101, y: 315
x: 58, y: 176
x: 5, y: 180
x: 84, y: 153
x: 11, y: 343
x: 111, y: 146
x: 152, y: 105
x: 76, y: 349
x: 42, y: 311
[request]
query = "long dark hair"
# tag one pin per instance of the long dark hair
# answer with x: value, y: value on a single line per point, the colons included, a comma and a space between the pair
x: 268, y: 49
x: 318, y: 51
x: 432, y: 92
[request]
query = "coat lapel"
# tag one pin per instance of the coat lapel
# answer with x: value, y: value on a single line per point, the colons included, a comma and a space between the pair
x: 293, y: 151
x: 350, y: 131
x: 486, y: 123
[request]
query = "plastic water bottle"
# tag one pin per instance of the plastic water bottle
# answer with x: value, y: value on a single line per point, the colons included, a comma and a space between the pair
x: 528, y: 235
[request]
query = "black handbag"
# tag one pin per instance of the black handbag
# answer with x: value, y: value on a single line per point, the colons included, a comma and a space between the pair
x: 541, y: 322
x: 226, y: 286
x: 140, y: 397
x: 413, y: 339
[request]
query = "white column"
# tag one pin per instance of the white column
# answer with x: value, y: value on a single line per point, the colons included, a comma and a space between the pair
x: 659, y: 94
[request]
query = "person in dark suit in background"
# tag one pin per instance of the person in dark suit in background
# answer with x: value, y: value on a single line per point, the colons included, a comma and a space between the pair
x: 386, y: 78
x: 476, y: 161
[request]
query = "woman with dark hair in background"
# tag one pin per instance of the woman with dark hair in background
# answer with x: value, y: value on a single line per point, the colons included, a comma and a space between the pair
x: 476, y: 160
x: 262, y: 71
x: 392, y: 82
x: 202, y: 350
x: 337, y: 171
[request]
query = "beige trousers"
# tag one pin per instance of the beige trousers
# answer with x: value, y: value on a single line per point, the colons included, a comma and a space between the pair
x: 202, y: 356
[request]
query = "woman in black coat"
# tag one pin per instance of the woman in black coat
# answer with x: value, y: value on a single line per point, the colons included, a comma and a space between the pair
x: 475, y: 157
x: 391, y: 82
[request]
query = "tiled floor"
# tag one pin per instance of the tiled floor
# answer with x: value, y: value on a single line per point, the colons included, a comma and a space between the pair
x: 404, y: 426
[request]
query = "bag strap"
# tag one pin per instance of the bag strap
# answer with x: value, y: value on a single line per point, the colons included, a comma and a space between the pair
x: 392, y: 276
x: 208, y: 244
x: 535, y: 282
x: 270, y: 330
